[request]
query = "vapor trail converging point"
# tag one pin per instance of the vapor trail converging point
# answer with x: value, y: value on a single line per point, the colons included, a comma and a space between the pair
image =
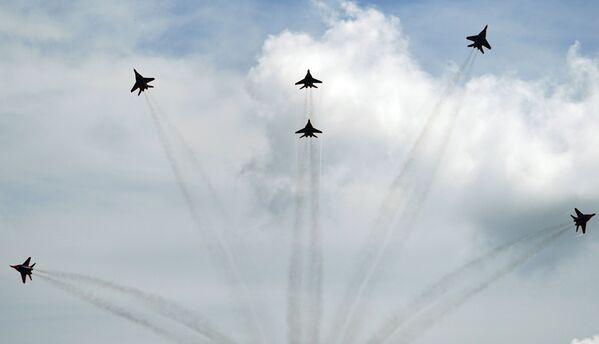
x: 216, y: 245
x: 112, y: 308
x: 164, y: 307
x: 402, y: 202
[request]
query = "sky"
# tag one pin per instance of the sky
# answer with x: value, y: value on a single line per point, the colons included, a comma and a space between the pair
x: 504, y: 147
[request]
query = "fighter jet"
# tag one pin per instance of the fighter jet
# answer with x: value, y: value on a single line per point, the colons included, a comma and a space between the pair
x: 308, y: 81
x: 480, y: 40
x: 581, y: 220
x: 24, y: 269
x: 141, y: 83
x: 308, y: 131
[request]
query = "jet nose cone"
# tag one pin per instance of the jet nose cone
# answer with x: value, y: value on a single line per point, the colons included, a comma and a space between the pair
x: 13, y: 266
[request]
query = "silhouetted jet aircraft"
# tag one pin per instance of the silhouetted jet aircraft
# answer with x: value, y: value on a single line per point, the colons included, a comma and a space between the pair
x: 308, y: 131
x: 581, y: 220
x: 24, y: 269
x: 480, y: 40
x: 141, y: 83
x: 308, y: 81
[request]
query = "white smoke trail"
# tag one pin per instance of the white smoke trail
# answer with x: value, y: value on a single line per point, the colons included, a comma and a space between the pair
x: 313, y: 285
x: 218, y: 249
x: 310, y: 104
x: 315, y: 264
x: 158, y: 304
x: 305, y: 272
x: 191, y: 155
x: 114, y: 309
x: 348, y: 321
x: 445, y: 284
x: 295, y: 311
x: 415, y: 192
x: 174, y: 166
x: 306, y: 104
x: 433, y: 315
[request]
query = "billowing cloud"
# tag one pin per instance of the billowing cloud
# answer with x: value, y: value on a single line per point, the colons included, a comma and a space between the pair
x: 593, y: 340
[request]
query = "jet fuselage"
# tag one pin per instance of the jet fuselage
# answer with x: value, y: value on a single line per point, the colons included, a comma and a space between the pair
x: 581, y: 219
x: 479, y: 41
x: 24, y: 269
x: 308, y: 81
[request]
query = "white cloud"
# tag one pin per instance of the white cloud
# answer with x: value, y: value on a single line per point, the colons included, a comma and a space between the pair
x: 32, y: 26
x: 593, y: 340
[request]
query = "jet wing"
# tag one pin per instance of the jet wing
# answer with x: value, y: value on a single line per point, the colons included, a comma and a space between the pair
x: 146, y: 80
x: 578, y: 212
x: 301, y: 131
x: 303, y: 81
x: 23, y: 277
x: 134, y: 87
x: 472, y: 38
x: 486, y: 44
x: 316, y: 81
x: 27, y: 261
x: 316, y: 131
x: 584, y: 227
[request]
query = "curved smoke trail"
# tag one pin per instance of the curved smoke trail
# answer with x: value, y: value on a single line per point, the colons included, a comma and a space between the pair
x: 445, y: 284
x: 219, y: 250
x: 166, y: 308
x: 434, y: 314
x: 348, y: 320
x: 114, y: 309
x: 192, y: 156
x: 181, y: 184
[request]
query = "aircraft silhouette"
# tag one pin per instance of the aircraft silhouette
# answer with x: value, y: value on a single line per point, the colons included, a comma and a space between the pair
x: 141, y: 83
x: 581, y: 220
x: 480, y: 40
x: 308, y: 131
x: 308, y: 81
x: 24, y: 269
